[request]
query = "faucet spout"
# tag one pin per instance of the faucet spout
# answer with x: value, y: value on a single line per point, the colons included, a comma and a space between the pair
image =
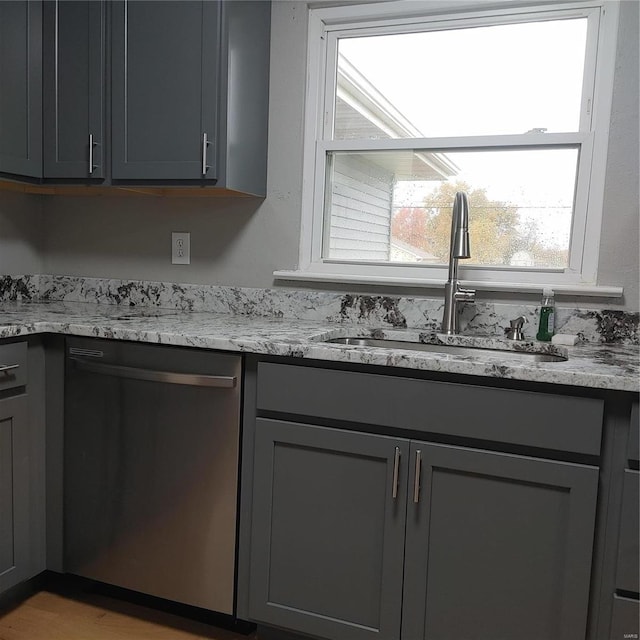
x: 459, y: 248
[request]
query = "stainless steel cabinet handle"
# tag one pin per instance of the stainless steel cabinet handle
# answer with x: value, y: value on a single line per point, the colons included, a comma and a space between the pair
x: 205, y: 144
x: 396, y: 471
x: 92, y: 167
x: 170, y: 377
x: 416, y: 481
x: 5, y: 368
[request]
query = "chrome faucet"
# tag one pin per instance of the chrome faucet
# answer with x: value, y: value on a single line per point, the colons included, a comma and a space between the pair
x: 458, y: 249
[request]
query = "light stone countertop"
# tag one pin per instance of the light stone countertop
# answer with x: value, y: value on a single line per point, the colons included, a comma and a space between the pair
x: 599, y: 366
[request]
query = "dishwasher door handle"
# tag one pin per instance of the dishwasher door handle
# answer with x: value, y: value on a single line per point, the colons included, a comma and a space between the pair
x: 152, y: 375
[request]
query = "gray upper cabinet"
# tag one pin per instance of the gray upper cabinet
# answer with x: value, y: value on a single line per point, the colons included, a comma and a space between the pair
x: 190, y: 92
x: 74, y: 83
x: 155, y: 92
x: 21, y: 88
x: 498, y: 546
x: 164, y: 80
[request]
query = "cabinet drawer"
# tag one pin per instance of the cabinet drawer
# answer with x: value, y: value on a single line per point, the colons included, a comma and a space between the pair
x: 547, y: 421
x: 624, y: 623
x: 13, y: 365
x: 628, y: 553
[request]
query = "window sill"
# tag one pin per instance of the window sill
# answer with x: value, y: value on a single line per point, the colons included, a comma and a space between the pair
x: 570, y: 289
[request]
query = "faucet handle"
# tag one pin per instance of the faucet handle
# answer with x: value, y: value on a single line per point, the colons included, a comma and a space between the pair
x: 465, y: 295
x: 514, y: 331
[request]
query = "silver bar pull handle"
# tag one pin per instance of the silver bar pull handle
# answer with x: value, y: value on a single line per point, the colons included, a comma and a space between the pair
x: 396, y: 472
x: 6, y: 368
x: 416, y: 481
x: 205, y: 144
x: 92, y: 144
x: 150, y: 375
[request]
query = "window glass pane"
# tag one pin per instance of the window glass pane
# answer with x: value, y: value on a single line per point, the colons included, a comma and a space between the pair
x: 502, y: 79
x: 395, y: 206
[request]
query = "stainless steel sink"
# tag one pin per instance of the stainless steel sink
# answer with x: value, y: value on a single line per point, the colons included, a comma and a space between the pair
x: 523, y: 356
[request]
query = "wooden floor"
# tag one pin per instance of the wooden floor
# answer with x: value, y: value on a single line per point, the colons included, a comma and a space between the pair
x: 55, y: 616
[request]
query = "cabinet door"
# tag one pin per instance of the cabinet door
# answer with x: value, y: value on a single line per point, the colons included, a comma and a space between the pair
x: 625, y: 619
x: 14, y: 492
x: 498, y: 546
x: 21, y: 88
x: 74, y: 45
x: 628, y: 545
x: 327, y: 531
x: 164, y: 89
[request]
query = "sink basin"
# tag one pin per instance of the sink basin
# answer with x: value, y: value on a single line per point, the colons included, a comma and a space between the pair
x: 512, y: 355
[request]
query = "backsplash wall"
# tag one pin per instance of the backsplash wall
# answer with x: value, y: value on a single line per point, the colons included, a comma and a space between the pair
x: 479, y: 318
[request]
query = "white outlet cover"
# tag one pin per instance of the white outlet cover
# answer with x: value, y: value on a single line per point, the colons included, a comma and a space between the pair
x: 180, y: 247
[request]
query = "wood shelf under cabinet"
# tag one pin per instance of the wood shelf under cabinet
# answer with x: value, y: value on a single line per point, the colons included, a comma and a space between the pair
x: 128, y: 190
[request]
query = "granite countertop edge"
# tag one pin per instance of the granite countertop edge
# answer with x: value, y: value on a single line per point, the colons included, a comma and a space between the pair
x: 597, y: 366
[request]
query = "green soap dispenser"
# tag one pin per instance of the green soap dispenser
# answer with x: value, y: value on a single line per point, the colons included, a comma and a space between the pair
x: 547, y: 316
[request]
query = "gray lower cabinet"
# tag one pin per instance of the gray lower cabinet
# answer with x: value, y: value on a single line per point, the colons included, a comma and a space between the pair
x: 628, y: 542
x: 498, y: 546
x: 22, y: 461
x: 624, y: 618
x: 74, y: 86
x: 625, y: 613
x: 21, y: 88
x: 328, y: 530
x: 358, y: 536
x: 14, y: 491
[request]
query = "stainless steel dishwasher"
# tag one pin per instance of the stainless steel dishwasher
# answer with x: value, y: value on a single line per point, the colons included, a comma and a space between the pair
x: 151, y: 469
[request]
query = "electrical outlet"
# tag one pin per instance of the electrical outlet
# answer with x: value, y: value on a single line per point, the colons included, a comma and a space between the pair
x: 181, y: 248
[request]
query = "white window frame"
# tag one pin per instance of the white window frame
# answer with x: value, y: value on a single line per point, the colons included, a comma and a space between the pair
x: 326, y: 25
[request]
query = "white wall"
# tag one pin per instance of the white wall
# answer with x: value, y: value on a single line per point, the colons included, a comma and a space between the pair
x: 21, y: 234
x: 619, y: 253
x: 240, y: 243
